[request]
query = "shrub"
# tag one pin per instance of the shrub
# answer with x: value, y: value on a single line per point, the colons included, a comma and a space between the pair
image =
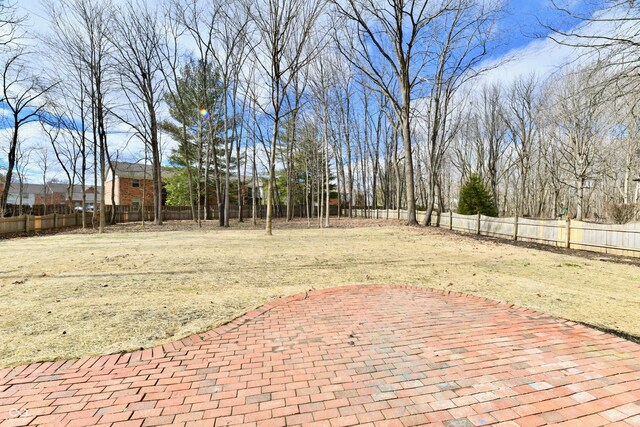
x: 475, y: 197
x: 621, y: 213
x: 177, y: 185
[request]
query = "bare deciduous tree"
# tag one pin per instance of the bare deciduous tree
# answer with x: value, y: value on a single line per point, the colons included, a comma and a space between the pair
x: 522, y: 108
x: 86, y: 27
x: 10, y: 25
x: 607, y: 31
x: 581, y: 128
x: 137, y: 41
x: 284, y: 30
x: 386, y: 43
x: 21, y: 95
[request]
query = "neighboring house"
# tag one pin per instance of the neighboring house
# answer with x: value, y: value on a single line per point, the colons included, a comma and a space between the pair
x: 333, y: 201
x: 132, y: 184
x: 49, y: 194
x: 92, y: 197
x: 246, y: 189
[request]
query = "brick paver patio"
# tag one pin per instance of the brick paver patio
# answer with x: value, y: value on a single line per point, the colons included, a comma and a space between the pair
x: 376, y: 356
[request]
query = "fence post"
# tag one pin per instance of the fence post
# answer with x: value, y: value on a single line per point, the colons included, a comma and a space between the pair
x: 568, y: 232
x: 515, y: 228
x: 55, y: 221
x: 478, y: 224
x: 26, y: 223
x: 387, y: 213
x: 450, y: 219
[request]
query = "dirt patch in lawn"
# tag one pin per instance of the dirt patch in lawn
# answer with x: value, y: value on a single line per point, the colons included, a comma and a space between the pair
x: 79, y: 293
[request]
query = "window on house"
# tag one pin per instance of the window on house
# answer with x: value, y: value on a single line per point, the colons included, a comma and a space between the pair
x: 135, y: 183
x: 135, y: 201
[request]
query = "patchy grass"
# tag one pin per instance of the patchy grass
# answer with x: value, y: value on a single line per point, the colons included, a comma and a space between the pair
x: 80, y: 293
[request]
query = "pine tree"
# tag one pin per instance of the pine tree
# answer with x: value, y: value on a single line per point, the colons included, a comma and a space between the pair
x: 475, y: 197
x: 196, y: 124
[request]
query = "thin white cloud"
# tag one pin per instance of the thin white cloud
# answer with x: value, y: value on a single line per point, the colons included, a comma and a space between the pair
x: 540, y: 57
x: 543, y: 57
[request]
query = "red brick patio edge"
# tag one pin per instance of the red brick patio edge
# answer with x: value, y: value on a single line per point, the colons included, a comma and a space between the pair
x: 121, y: 358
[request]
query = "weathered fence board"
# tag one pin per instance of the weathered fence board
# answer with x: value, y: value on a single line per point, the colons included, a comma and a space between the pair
x: 607, y: 238
x: 14, y: 224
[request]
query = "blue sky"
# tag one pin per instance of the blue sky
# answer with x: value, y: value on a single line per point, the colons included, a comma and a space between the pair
x: 520, y: 23
x: 519, y: 28
x: 522, y: 18
x: 522, y: 38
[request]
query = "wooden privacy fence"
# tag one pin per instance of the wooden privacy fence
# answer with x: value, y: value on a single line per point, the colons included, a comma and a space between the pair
x: 177, y: 213
x: 608, y: 238
x: 31, y: 223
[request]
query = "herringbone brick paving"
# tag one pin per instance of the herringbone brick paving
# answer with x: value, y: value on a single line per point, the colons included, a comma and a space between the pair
x: 375, y: 356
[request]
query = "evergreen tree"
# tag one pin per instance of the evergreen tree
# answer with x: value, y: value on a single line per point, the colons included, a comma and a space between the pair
x: 196, y: 125
x: 475, y: 197
x: 199, y: 110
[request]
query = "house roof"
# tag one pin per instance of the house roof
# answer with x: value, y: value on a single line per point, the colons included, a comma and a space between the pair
x: 51, y: 188
x: 136, y: 170
x: 248, y: 181
x: 132, y: 170
x: 144, y: 171
x: 39, y: 188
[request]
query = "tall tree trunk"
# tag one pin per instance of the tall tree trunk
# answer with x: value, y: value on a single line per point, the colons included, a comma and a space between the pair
x: 408, y: 156
x: 207, y: 172
x: 155, y: 160
x: 218, y: 185
x: 396, y: 168
x: 255, y: 185
x: 83, y: 171
x: 580, y: 208
x: 11, y: 164
x: 227, y: 158
x: 289, y: 171
x: 272, y: 173
x: 102, y: 135
x: 95, y: 167
x: 241, y: 182
x: 112, y: 213
x: 326, y: 165
x: 199, y: 173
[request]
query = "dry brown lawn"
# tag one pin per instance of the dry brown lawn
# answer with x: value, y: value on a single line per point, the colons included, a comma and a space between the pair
x: 78, y: 294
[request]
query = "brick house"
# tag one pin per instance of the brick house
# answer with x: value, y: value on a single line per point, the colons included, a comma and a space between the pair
x: 246, y: 191
x: 132, y: 184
